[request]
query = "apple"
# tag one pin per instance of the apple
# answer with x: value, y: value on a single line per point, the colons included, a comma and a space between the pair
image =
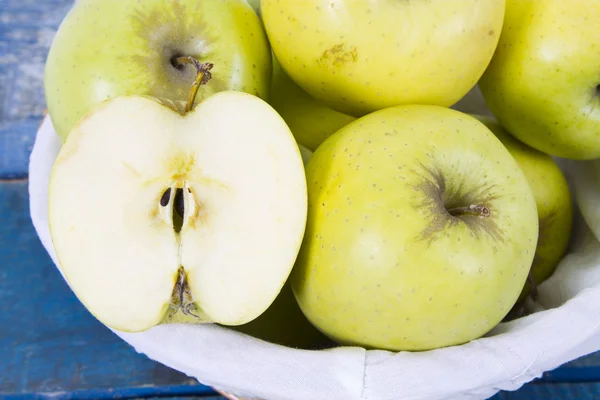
x: 109, y: 48
x: 553, y: 201
x: 311, y: 121
x: 542, y: 83
x: 305, y: 153
x: 162, y: 217
x: 359, y: 56
x: 420, y: 234
x: 283, y: 323
x: 255, y: 4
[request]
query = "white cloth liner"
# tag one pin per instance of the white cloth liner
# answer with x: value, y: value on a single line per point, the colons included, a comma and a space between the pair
x: 565, y: 327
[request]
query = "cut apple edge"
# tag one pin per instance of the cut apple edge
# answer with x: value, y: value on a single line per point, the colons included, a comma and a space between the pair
x: 105, y: 254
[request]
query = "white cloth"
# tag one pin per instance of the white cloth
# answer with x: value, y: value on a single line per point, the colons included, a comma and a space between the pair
x: 565, y: 326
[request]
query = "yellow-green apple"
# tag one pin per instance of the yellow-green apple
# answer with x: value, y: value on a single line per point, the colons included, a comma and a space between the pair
x: 542, y: 83
x: 255, y: 4
x: 553, y: 201
x: 109, y: 48
x: 421, y: 231
x: 158, y: 217
x: 311, y: 121
x: 284, y: 323
x: 358, y: 56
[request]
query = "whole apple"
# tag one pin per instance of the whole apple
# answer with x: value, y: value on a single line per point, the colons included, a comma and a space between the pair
x: 542, y: 83
x: 310, y: 121
x: 553, y: 201
x: 420, y: 234
x: 359, y: 56
x: 109, y: 48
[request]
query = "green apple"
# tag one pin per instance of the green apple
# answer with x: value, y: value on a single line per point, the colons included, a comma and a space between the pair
x: 311, y: 121
x: 158, y: 217
x: 421, y: 231
x: 255, y: 4
x: 542, y: 83
x: 553, y: 201
x: 358, y: 56
x: 305, y: 152
x: 284, y: 323
x: 109, y: 48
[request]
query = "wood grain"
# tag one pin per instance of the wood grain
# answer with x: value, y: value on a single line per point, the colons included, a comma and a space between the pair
x: 27, y: 28
x: 49, y: 343
x: 50, y: 346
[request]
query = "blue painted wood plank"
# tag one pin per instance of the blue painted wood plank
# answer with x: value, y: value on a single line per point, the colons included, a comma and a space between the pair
x: 16, y: 141
x: 163, y: 392
x: 49, y: 343
x: 27, y: 28
x: 562, y: 391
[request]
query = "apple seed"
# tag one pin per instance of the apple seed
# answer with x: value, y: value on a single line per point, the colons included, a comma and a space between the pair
x: 164, y: 200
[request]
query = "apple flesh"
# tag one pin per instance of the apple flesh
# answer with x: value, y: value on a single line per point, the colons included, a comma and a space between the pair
x: 421, y: 231
x: 158, y: 217
x: 553, y: 201
x: 109, y: 48
x: 543, y: 81
x: 284, y: 323
x: 358, y: 56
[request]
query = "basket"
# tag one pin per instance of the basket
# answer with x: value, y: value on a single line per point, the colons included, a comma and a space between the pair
x: 562, y: 325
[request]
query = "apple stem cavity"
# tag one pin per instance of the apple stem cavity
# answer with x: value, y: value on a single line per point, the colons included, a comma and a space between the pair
x: 475, y: 210
x: 202, y: 77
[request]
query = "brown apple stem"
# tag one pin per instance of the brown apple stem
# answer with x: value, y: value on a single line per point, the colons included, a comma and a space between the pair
x: 475, y: 210
x: 202, y: 77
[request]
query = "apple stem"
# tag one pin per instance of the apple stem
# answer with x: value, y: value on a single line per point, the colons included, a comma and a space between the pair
x: 479, y: 211
x: 202, y: 77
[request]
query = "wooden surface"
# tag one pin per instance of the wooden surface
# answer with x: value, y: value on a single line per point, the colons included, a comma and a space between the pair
x: 50, y: 346
x: 48, y: 342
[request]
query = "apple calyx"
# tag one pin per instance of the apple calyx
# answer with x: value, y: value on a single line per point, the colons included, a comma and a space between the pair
x: 473, y: 209
x: 202, y: 77
x: 182, y: 300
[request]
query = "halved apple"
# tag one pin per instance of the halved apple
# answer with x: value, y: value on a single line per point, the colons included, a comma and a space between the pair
x: 160, y: 217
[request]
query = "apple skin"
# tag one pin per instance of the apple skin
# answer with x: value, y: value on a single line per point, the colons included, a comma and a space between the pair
x: 541, y: 84
x: 284, y: 323
x: 255, y: 4
x: 359, y: 56
x: 553, y: 201
x: 383, y: 264
x: 109, y: 48
x: 310, y: 121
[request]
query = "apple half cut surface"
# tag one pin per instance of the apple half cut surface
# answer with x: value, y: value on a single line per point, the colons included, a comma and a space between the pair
x: 159, y: 217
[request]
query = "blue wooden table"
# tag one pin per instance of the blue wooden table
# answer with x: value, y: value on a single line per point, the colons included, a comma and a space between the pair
x: 50, y: 346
